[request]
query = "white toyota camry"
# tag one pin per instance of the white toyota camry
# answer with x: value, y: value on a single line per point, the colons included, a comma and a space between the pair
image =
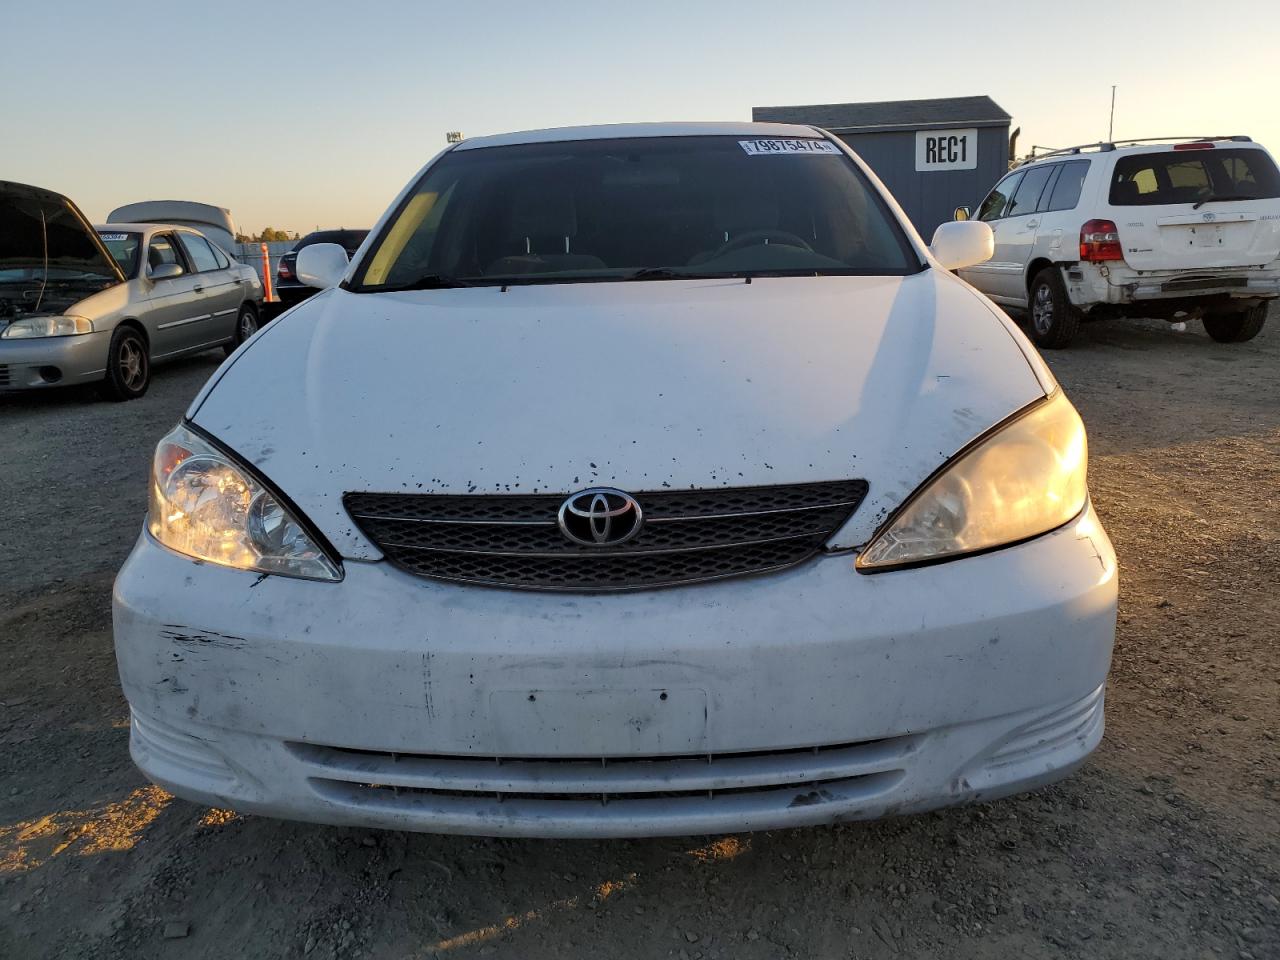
x: 631, y: 480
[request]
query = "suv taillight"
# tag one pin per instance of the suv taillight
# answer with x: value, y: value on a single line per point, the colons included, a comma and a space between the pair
x: 283, y: 271
x: 1100, y: 241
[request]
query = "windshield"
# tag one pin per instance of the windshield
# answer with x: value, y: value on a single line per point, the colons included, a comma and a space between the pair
x: 673, y: 207
x: 123, y: 247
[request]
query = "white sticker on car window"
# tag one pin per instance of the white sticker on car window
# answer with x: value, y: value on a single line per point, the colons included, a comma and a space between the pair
x: 777, y: 148
x: 114, y: 236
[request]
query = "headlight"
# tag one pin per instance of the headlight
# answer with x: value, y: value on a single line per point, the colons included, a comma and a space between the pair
x: 1023, y: 479
x: 30, y: 327
x: 206, y: 505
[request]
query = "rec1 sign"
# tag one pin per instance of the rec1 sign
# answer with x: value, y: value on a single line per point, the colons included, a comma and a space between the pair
x: 946, y: 150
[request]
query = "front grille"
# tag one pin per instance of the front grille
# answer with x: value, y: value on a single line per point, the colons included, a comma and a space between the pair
x: 513, y: 540
x: 5, y: 379
x: 552, y: 784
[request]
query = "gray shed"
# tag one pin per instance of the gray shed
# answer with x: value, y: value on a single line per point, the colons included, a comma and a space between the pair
x: 933, y: 155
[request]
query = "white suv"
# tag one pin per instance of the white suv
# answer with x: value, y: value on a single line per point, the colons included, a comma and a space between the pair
x: 1174, y: 231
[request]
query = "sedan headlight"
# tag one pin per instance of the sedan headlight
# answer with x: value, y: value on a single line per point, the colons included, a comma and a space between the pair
x: 206, y: 505
x: 29, y: 328
x: 1022, y: 479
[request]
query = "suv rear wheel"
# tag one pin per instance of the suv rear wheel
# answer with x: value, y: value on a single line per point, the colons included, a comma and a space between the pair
x: 1054, y: 320
x: 1236, y: 327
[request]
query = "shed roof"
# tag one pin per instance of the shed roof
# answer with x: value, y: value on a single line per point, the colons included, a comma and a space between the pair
x: 890, y: 115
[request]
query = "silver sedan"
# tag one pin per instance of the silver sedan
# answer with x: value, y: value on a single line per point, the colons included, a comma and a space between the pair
x: 80, y: 304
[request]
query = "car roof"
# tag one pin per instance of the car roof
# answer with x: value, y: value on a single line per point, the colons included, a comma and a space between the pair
x: 619, y: 131
x: 142, y: 227
x: 1123, y: 148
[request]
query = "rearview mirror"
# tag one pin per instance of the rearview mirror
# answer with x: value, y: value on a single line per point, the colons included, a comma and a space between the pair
x: 321, y: 264
x: 165, y: 271
x: 962, y: 214
x: 962, y: 244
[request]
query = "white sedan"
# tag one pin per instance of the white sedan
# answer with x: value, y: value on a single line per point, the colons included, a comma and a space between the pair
x: 633, y: 480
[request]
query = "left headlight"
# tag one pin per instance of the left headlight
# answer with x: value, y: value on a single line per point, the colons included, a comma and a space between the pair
x: 1025, y: 478
x: 28, y: 328
x: 206, y: 505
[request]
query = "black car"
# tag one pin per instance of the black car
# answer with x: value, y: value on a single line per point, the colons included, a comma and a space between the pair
x: 288, y: 288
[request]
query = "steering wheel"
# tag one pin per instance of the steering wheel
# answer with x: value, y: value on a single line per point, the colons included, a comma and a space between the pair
x: 752, y: 237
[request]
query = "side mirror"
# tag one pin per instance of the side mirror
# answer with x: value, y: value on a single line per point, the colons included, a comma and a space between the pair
x: 962, y: 214
x: 165, y: 271
x: 321, y: 265
x: 957, y: 245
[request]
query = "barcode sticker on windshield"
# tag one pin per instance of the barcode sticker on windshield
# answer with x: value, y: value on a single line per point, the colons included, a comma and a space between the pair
x: 114, y: 236
x: 768, y: 148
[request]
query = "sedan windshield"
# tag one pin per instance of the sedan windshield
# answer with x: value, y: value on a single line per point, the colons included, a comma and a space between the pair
x: 123, y: 247
x: 646, y: 208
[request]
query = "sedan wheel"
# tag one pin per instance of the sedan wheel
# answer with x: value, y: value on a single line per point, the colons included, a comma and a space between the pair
x: 128, y: 366
x: 246, y: 327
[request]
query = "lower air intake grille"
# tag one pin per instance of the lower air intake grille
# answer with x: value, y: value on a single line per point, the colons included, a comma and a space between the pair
x: 513, y: 540
x: 373, y: 777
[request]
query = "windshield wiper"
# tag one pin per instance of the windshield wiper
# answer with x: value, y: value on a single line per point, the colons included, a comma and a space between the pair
x: 1227, y: 196
x: 430, y: 281
x: 658, y: 273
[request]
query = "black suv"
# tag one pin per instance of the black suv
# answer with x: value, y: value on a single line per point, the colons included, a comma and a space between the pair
x: 288, y: 288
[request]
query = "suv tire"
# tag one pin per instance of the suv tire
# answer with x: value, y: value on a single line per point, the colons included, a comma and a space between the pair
x: 246, y: 327
x: 128, y: 366
x: 1236, y: 327
x: 1054, y: 320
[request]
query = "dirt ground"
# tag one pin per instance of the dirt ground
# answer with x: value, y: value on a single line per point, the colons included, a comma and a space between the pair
x: 1167, y: 843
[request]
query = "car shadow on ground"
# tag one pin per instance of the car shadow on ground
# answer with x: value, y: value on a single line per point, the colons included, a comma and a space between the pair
x: 1047, y: 874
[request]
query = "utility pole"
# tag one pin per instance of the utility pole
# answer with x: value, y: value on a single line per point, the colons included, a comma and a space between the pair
x: 1111, y: 124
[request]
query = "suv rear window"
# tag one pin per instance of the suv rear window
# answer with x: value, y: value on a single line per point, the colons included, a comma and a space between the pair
x: 1189, y: 176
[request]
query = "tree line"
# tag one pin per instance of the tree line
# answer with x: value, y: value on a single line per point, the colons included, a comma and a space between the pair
x: 268, y: 235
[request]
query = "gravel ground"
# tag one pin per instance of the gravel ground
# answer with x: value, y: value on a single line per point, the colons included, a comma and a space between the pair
x: 1167, y: 843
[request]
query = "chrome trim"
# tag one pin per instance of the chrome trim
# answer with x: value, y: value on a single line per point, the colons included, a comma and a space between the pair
x: 754, y: 513
x: 485, y: 523
x: 180, y: 323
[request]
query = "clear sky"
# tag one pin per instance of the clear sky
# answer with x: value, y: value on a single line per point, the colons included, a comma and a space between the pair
x: 315, y: 113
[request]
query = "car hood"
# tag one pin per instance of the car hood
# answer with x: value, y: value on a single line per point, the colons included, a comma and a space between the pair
x: 38, y: 226
x: 640, y: 386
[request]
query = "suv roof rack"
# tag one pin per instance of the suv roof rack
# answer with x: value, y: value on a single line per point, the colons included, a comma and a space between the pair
x: 1105, y: 146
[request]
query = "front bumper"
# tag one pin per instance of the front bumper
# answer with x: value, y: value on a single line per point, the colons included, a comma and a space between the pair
x: 810, y: 696
x: 29, y: 364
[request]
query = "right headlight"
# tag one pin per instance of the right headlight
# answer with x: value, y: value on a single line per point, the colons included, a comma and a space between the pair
x: 207, y: 505
x: 31, y: 328
x: 1024, y: 478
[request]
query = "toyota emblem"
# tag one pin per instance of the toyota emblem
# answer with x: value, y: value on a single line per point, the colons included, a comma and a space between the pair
x: 600, y: 517
x: 1209, y: 217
